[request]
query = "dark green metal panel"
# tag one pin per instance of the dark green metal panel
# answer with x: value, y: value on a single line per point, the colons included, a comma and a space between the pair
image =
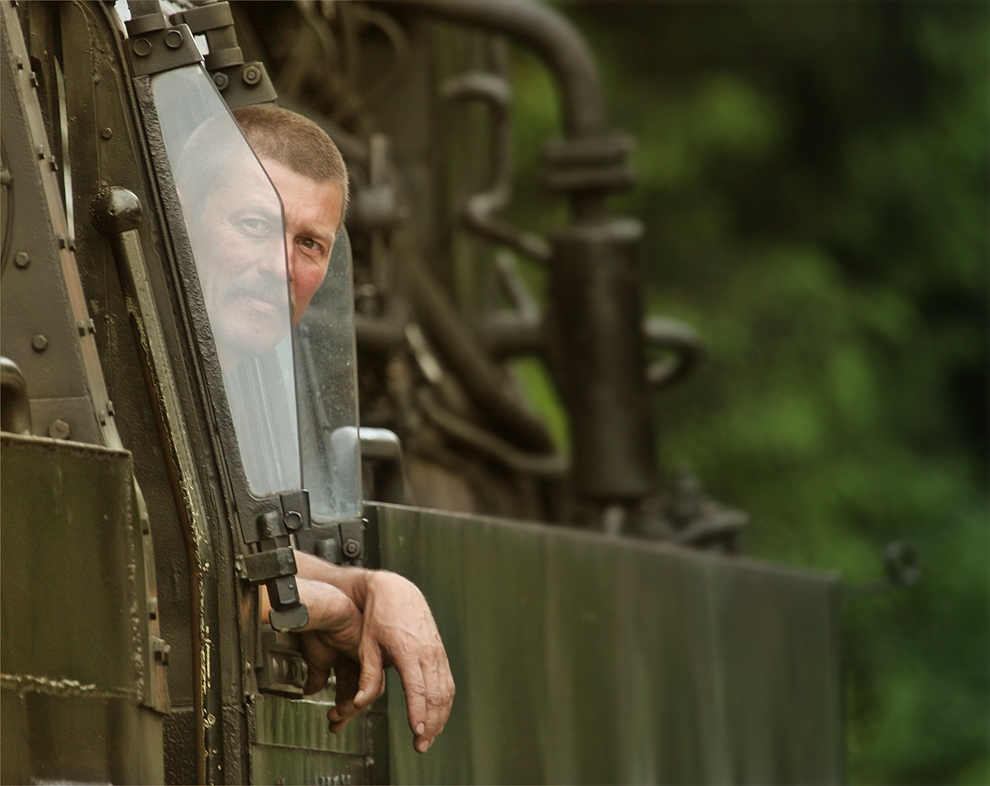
x: 73, y: 618
x: 292, y: 743
x: 584, y: 659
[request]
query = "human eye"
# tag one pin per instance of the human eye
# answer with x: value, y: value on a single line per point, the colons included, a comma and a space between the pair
x: 255, y: 226
x: 311, y: 246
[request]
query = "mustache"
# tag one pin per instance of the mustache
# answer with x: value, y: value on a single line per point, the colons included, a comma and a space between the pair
x: 265, y: 287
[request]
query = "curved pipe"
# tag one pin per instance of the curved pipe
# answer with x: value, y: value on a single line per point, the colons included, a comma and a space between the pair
x: 464, y: 431
x: 681, y: 341
x: 15, y: 408
x: 478, y: 374
x: 553, y: 38
x: 480, y: 209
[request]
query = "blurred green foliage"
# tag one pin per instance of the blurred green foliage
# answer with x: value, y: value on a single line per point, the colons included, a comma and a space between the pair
x: 814, y: 180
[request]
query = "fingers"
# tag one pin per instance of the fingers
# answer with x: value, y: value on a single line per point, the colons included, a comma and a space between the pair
x: 319, y: 658
x: 393, y: 623
x: 344, y: 708
x: 316, y: 680
x: 398, y: 618
x: 429, y: 689
x: 372, y: 682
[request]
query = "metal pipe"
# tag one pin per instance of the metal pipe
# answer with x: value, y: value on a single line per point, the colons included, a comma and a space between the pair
x: 16, y: 408
x: 554, y: 39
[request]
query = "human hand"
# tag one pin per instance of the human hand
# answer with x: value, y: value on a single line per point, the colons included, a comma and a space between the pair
x: 330, y: 640
x: 399, y: 628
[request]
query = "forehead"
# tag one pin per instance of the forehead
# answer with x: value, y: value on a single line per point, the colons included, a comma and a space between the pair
x: 307, y: 201
x: 242, y: 180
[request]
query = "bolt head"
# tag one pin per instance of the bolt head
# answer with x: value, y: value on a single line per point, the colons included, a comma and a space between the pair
x: 251, y: 75
x: 59, y: 429
x: 173, y: 39
x: 21, y: 259
x: 220, y: 80
x: 352, y: 548
x: 39, y: 343
x: 142, y: 47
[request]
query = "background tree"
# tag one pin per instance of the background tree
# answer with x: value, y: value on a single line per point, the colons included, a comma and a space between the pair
x: 814, y: 180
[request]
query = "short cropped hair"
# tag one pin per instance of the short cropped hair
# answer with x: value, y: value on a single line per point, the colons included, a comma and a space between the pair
x: 295, y: 142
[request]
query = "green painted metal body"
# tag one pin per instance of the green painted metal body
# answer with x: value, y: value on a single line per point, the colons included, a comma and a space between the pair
x: 73, y: 618
x: 586, y: 659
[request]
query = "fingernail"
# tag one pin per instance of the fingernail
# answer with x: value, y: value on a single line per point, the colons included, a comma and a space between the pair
x: 423, y: 745
x: 421, y: 728
x: 359, y: 697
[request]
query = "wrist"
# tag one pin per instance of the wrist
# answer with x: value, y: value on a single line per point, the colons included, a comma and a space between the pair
x: 350, y: 580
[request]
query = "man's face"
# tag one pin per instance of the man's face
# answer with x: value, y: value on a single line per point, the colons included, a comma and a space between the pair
x: 313, y: 213
x: 241, y: 254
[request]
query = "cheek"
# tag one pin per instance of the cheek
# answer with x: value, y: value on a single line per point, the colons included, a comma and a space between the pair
x: 305, y: 282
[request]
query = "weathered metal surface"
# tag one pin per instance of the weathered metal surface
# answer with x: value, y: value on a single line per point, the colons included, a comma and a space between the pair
x: 586, y: 659
x: 42, y: 303
x: 292, y: 743
x: 141, y: 338
x: 73, y: 614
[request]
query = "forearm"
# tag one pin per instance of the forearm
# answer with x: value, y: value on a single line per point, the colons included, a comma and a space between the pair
x: 353, y: 582
x: 329, y: 607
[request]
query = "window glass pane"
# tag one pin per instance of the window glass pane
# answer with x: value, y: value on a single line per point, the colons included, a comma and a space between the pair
x: 234, y: 220
x: 328, y: 392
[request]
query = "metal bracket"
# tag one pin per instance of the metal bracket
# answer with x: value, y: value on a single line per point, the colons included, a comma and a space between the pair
x: 240, y: 83
x: 341, y: 542
x: 275, y: 566
x: 161, y: 50
x: 280, y: 667
x: 267, y: 565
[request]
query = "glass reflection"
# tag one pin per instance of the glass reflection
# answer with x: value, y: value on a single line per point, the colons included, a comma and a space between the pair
x: 234, y: 220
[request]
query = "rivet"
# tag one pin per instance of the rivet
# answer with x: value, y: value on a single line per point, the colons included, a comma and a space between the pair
x: 20, y: 63
x: 40, y: 151
x: 142, y: 47
x: 251, y: 75
x: 106, y: 133
x: 21, y: 259
x: 173, y: 39
x: 39, y: 343
x: 293, y: 520
x: 152, y: 608
x: 220, y: 80
x: 59, y: 429
x: 52, y: 164
x: 34, y: 80
x: 81, y: 327
x: 61, y: 241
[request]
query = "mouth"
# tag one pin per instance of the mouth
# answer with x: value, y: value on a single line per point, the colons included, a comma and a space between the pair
x: 260, y: 300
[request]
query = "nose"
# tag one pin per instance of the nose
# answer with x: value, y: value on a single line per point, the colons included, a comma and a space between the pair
x: 290, y: 257
x: 290, y: 254
x: 272, y: 259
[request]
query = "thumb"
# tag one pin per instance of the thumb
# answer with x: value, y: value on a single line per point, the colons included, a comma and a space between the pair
x: 371, y: 684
